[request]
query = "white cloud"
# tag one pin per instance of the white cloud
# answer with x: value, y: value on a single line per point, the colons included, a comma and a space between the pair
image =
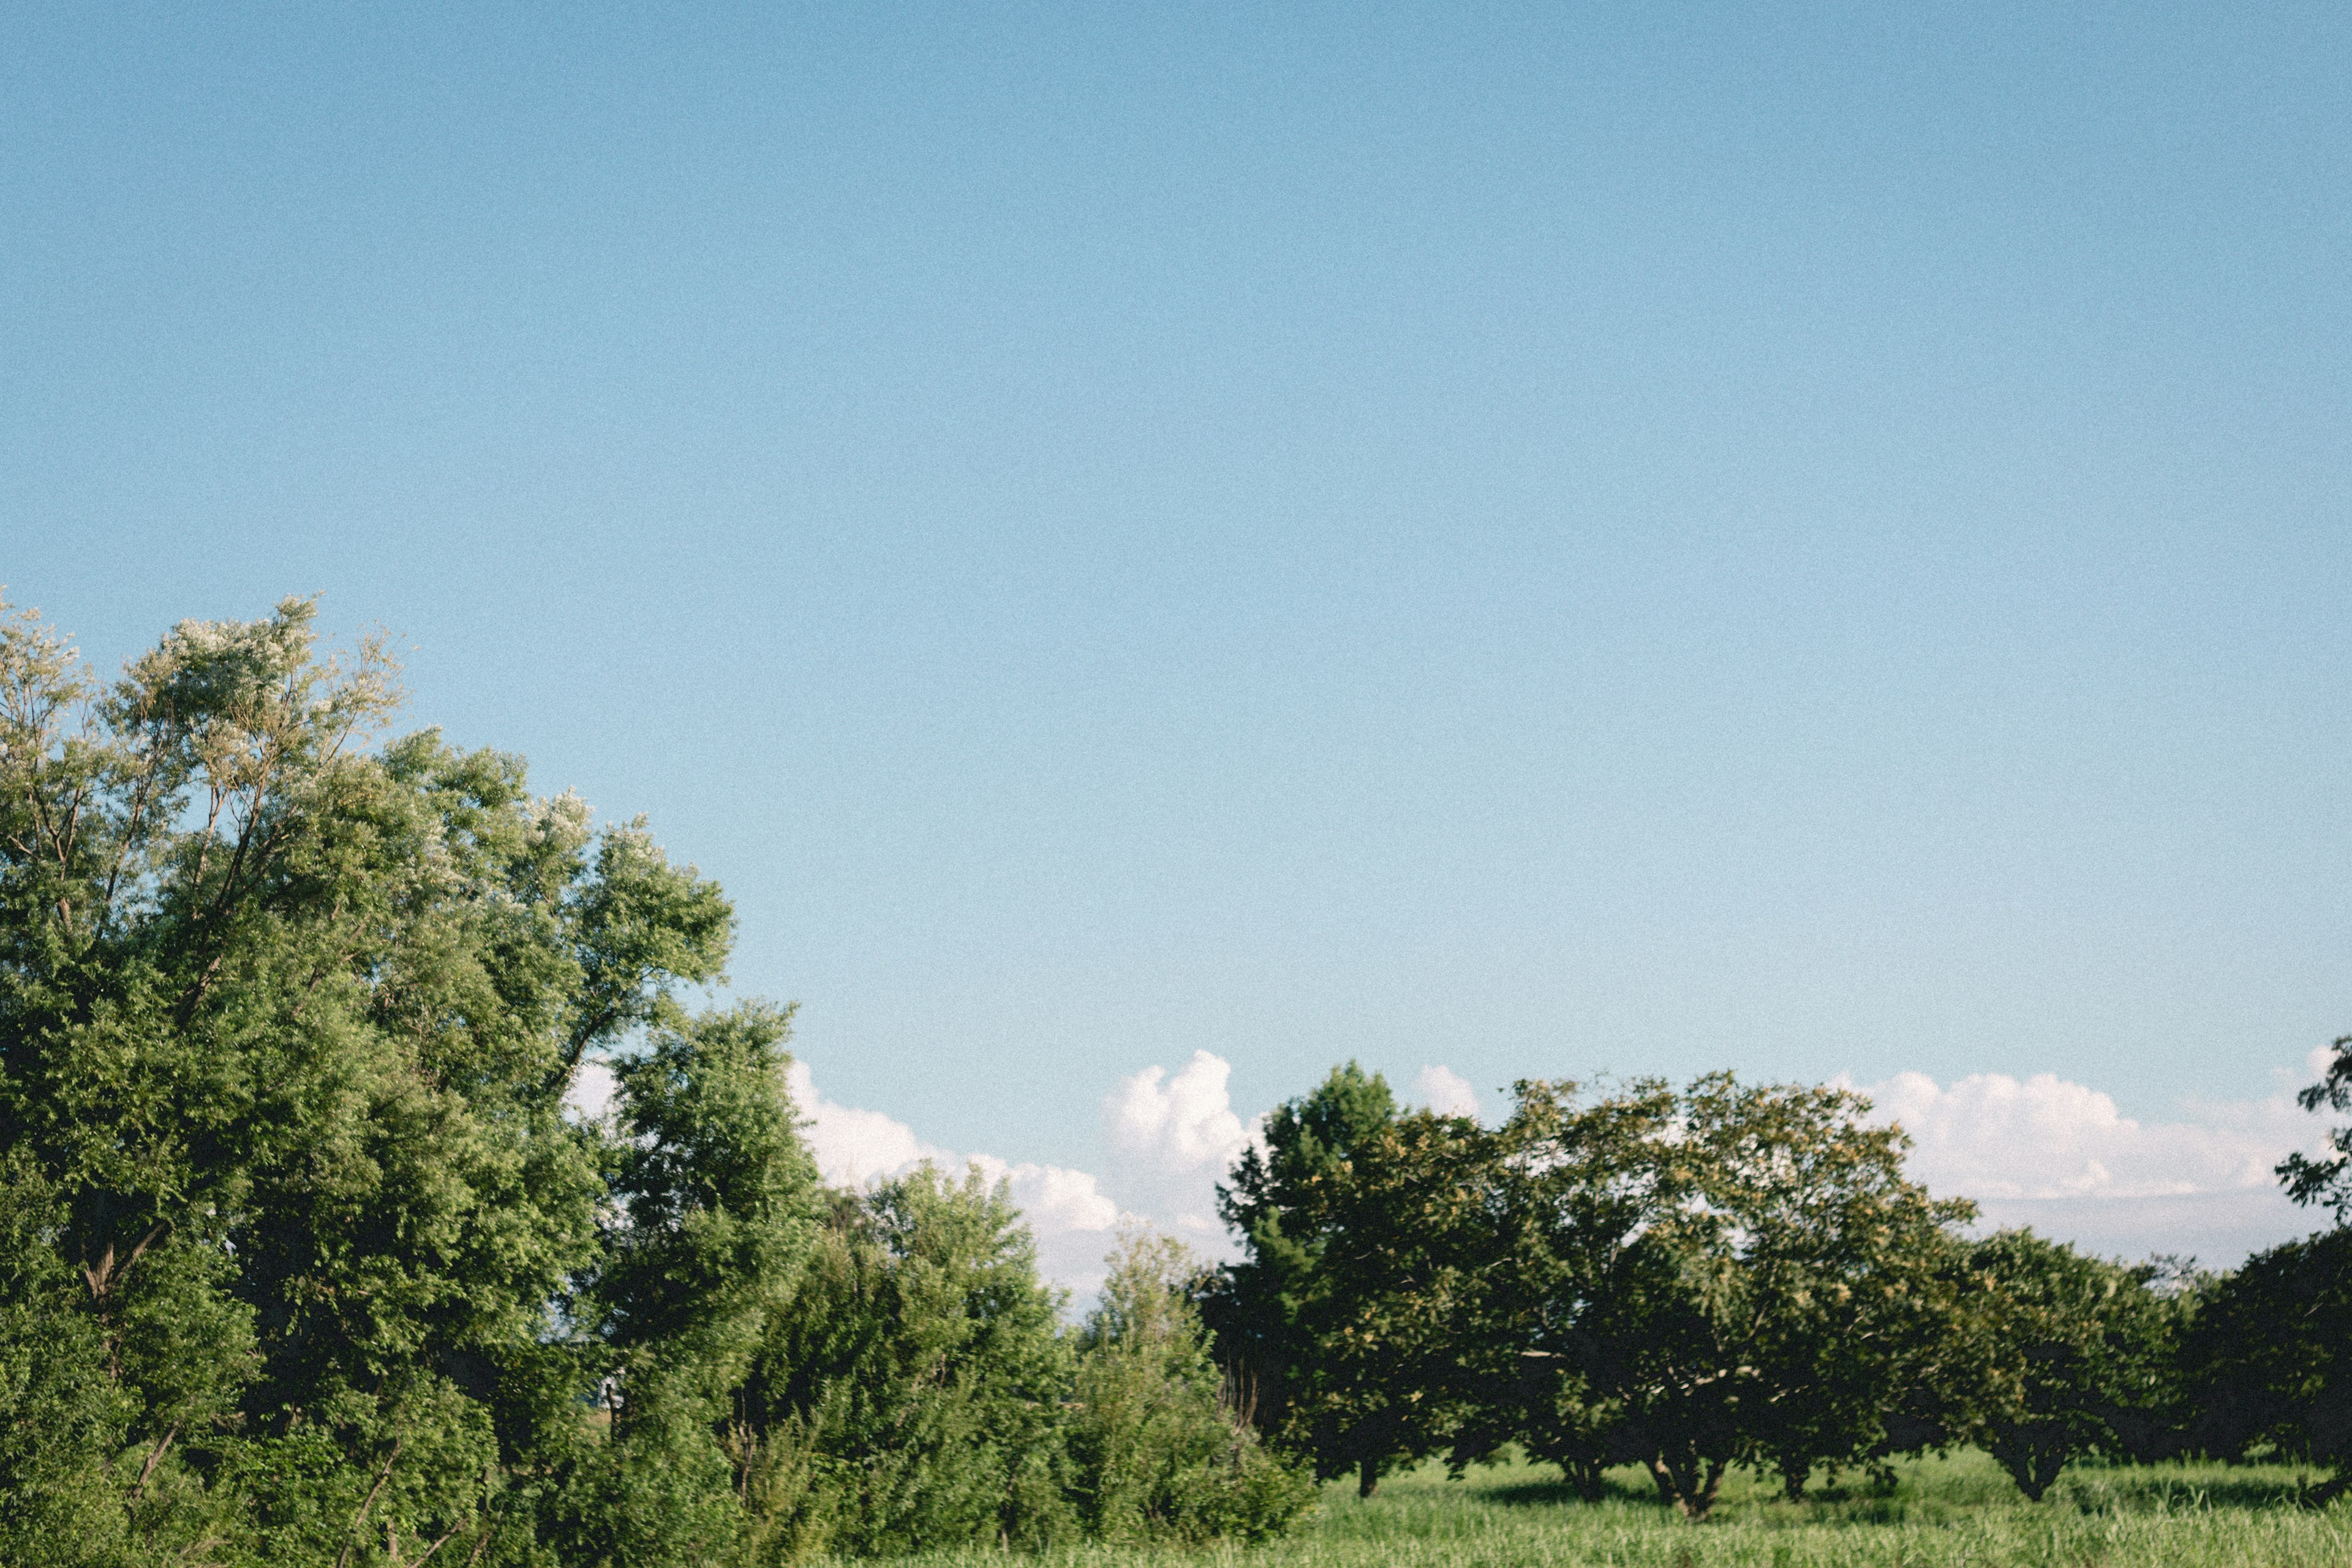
x: 1993, y: 1136
x: 1174, y: 1139
x: 1445, y: 1091
x: 2062, y: 1157
x: 1181, y: 1123
x: 590, y: 1094
x: 853, y: 1147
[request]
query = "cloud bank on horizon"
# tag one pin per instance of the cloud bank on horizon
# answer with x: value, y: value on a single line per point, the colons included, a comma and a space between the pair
x: 2042, y: 1151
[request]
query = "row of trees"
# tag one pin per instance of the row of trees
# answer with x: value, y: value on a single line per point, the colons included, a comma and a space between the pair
x: 302, y: 1261
x: 1734, y: 1275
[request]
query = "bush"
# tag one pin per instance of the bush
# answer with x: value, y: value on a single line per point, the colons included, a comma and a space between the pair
x: 1156, y: 1452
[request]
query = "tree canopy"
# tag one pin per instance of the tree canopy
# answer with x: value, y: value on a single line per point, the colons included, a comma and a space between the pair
x: 302, y: 1258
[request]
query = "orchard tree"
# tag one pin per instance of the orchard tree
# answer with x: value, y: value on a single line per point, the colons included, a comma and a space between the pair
x: 1730, y: 1274
x: 2087, y: 1356
x: 2270, y: 1353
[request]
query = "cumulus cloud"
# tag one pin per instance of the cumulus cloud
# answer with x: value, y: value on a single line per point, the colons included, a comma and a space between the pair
x: 1445, y: 1091
x: 1181, y: 1123
x: 1173, y: 1138
x: 853, y: 1147
x: 2062, y: 1157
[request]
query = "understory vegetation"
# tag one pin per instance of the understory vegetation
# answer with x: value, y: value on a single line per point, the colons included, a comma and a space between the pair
x: 305, y: 1259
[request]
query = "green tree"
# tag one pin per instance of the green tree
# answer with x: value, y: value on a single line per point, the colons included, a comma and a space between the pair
x: 716, y: 1202
x: 285, y: 1024
x: 2270, y: 1353
x: 1157, y: 1449
x: 1343, y: 1316
x: 910, y: 1393
x: 2088, y: 1351
x: 1730, y: 1274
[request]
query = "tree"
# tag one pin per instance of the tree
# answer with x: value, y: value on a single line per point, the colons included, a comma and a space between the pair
x: 1344, y: 1313
x: 2088, y: 1356
x: 714, y: 1212
x: 286, y: 1026
x: 1728, y: 1274
x: 2326, y: 1181
x: 1156, y: 1450
x: 911, y: 1394
x: 2269, y: 1352
x: 1255, y: 1308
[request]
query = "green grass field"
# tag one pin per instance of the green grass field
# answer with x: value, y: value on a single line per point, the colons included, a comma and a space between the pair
x: 1949, y: 1512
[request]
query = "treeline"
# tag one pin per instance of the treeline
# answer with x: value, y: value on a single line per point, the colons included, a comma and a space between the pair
x: 1729, y: 1275
x: 303, y: 1261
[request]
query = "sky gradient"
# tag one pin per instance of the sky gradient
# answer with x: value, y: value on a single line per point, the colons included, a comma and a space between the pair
x: 1525, y: 540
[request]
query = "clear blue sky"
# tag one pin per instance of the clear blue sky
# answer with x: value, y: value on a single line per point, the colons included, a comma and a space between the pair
x: 1527, y: 537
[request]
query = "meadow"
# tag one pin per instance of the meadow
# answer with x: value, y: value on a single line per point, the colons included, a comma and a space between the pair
x: 1958, y: 1512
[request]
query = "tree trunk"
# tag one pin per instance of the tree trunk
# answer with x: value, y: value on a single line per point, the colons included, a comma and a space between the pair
x: 1793, y: 1475
x: 1368, y: 1479
x: 1696, y: 1505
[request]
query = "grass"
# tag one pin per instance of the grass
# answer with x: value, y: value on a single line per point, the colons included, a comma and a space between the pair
x: 1955, y: 1512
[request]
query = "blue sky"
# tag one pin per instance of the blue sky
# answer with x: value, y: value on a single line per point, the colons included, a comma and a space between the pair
x: 1531, y: 539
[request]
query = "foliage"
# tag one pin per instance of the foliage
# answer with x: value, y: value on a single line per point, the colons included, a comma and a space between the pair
x: 911, y: 1394
x: 1343, y: 1316
x: 285, y: 1029
x: 302, y: 1258
x: 2327, y: 1180
x: 2270, y: 1353
x: 1728, y: 1274
x: 2088, y: 1351
x: 1157, y: 1451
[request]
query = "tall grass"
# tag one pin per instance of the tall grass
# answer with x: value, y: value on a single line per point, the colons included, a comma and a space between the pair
x: 1956, y: 1512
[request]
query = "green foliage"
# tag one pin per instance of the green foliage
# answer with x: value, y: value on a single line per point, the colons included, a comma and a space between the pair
x: 304, y: 1260
x: 1339, y: 1319
x: 2087, y: 1352
x: 2327, y: 1180
x: 1156, y: 1451
x: 1690, y: 1281
x: 2270, y: 1353
x: 910, y: 1396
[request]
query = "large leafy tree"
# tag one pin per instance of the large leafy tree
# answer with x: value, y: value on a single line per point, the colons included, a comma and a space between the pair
x: 1344, y: 1317
x: 2087, y: 1352
x: 1728, y: 1274
x: 287, y: 1019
